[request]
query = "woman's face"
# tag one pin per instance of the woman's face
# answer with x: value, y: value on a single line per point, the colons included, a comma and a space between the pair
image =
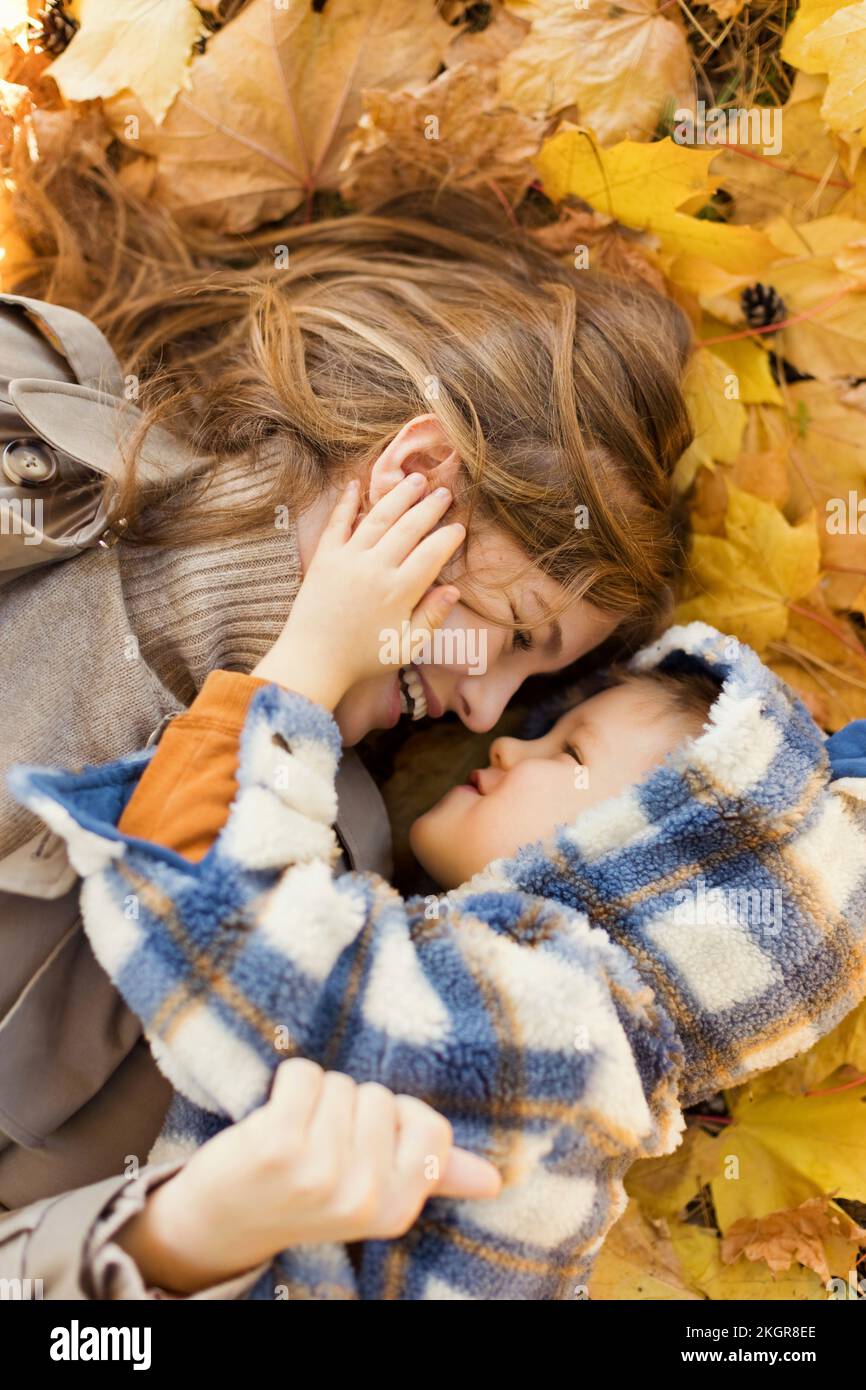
x: 477, y: 664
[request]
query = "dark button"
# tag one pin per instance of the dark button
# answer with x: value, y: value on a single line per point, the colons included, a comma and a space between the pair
x: 29, y: 462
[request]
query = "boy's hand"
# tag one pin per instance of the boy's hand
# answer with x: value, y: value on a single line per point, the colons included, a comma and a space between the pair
x: 362, y: 582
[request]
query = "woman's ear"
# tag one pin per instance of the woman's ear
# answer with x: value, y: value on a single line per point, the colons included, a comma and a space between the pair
x: 421, y: 446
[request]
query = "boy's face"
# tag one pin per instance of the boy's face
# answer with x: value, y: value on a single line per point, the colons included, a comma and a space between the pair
x: 593, y: 752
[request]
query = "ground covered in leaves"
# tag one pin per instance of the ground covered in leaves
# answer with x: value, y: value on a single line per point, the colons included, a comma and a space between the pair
x: 240, y: 112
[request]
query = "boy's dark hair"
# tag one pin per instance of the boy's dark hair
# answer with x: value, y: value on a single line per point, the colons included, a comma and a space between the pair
x: 690, y: 689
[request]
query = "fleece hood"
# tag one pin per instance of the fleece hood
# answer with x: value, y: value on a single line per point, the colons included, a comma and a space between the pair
x: 734, y: 874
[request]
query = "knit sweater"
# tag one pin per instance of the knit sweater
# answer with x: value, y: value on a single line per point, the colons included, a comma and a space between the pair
x: 95, y: 652
x: 560, y: 1008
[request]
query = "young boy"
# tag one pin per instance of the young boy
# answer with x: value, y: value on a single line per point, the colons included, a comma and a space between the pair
x: 674, y: 903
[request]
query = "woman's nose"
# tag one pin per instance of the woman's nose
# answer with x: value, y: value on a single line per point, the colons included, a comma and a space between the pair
x: 481, y: 700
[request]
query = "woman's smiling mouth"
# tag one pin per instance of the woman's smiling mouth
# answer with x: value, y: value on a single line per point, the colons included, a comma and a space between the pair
x: 416, y: 698
x: 413, y: 700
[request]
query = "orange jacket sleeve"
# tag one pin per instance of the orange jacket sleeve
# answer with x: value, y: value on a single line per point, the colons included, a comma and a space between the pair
x: 182, y: 800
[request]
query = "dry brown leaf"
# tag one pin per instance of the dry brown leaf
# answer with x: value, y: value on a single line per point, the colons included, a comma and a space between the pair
x: 799, y: 1234
x: 139, y: 176
x: 82, y: 124
x: 33, y: 71
x: 452, y: 130
x: 490, y: 44
x: 252, y: 140
x: 610, y: 248
x: 725, y: 9
x: 619, y: 65
x: 699, y: 1253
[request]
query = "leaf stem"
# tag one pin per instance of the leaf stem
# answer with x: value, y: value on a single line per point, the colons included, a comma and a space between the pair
x: 793, y: 173
x: 827, y: 623
x: 776, y: 327
x: 833, y: 1090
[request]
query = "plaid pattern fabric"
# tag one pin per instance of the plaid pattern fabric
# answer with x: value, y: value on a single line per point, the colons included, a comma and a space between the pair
x: 558, y: 1009
x: 734, y: 875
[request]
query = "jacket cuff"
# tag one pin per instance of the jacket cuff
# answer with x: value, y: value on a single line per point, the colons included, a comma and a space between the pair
x: 286, y: 804
x: 112, y: 1274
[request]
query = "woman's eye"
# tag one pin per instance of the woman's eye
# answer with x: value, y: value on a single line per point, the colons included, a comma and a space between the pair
x: 522, y: 641
x: 574, y: 753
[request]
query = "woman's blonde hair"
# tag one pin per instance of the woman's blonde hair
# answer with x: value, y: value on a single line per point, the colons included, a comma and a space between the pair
x: 559, y: 388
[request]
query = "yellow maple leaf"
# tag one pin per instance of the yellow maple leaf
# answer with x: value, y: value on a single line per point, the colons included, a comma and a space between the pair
x: 620, y: 66
x: 837, y: 46
x: 744, y: 581
x: 822, y: 290
x: 749, y: 361
x: 779, y: 1151
x: 811, y: 14
x: 807, y: 179
x: 637, y: 1261
x: 144, y: 46
x: 827, y: 453
x: 665, y: 1186
x: 646, y: 186
x: 718, y: 416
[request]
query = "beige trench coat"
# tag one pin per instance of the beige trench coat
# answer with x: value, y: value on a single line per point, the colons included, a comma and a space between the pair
x: 80, y: 1095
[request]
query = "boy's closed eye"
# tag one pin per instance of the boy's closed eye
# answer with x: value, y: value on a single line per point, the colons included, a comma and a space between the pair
x: 616, y: 737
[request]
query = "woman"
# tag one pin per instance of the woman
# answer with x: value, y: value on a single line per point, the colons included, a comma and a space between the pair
x: 429, y: 338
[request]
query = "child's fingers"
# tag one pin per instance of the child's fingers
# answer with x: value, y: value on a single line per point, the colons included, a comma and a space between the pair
x: 434, y: 608
x: 295, y: 1092
x: 375, y: 1133
x: 401, y: 538
x: 468, y: 1175
x: 332, y: 1123
x: 339, y: 525
x: 423, y: 566
x: 390, y: 508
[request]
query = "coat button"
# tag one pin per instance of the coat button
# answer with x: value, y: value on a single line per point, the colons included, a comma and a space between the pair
x: 29, y: 462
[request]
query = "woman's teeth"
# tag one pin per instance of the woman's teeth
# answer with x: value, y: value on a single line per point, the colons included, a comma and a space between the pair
x: 413, y: 701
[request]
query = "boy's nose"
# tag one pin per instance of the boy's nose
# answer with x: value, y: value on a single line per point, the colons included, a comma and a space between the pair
x: 505, y: 752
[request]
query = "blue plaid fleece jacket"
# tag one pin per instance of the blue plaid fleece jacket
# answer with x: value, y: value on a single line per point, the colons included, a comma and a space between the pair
x: 560, y: 1008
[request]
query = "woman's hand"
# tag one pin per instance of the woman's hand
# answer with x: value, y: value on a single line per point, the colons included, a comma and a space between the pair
x: 362, y: 582
x: 324, y: 1159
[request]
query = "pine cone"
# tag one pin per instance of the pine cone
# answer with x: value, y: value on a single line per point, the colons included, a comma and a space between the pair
x: 57, y: 28
x: 762, y: 305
